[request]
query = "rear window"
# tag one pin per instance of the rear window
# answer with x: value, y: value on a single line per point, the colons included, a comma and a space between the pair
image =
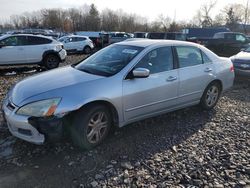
x: 80, y: 39
x: 38, y: 40
x: 156, y: 35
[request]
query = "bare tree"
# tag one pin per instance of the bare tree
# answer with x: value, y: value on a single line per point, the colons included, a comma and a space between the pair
x: 165, y: 22
x: 246, y: 16
x: 203, y: 17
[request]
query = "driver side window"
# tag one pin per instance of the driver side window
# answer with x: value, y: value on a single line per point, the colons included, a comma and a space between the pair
x: 10, y: 41
x: 158, y: 60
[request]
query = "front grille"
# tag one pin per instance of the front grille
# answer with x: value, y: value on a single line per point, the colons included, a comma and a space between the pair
x: 10, y: 106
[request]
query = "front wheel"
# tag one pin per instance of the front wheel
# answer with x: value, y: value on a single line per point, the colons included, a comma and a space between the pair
x: 91, y: 126
x: 211, y: 96
x: 51, y: 61
x: 87, y: 50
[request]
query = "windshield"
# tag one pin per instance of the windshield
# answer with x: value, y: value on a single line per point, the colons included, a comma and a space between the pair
x: 247, y: 49
x: 110, y: 60
x: 61, y: 39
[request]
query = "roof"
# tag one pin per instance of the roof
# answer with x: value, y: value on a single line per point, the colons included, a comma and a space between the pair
x: 81, y: 36
x: 149, y: 42
x: 33, y: 35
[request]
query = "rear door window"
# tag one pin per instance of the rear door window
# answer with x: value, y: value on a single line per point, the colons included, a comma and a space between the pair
x: 188, y: 56
x: 240, y: 38
x: 206, y: 59
x: 80, y: 39
x: 33, y: 40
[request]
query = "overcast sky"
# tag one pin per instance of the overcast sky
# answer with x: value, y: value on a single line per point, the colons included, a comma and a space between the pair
x: 180, y: 9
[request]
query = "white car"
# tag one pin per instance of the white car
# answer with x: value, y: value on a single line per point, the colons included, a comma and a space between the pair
x: 76, y: 43
x: 31, y: 49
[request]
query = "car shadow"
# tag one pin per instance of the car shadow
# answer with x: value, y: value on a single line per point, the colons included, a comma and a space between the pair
x: 135, y: 142
x: 241, y: 85
x: 16, y: 70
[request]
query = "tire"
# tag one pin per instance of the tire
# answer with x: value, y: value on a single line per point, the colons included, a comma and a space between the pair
x: 87, y: 50
x: 51, y: 61
x: 87, y: 126
x: 211, y: 96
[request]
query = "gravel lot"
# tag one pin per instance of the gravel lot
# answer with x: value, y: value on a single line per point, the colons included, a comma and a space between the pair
x: 186, y: 148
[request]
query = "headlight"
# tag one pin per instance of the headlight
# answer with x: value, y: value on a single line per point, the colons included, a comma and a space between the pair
x: 58, y: 47
x: 40, y: 108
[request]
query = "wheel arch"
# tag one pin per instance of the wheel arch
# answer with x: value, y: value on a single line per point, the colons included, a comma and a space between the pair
x: 217, y: 81
x: 109, y: 105
x: 50, y: 52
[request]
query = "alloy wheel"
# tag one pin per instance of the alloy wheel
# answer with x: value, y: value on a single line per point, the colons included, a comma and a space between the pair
x: 212, y: 95
x: 97, y: 127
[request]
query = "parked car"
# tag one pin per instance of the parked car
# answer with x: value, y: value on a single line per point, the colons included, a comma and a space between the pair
x: 203, y: 33
x: 227, y: 43
x: 100, y: 39
x: 169, y: 35
x: 118, y: 37
x: 31, y: 49
x: 45, y: 32
x: 140, y: 35
x: 241, y: 63
x: 120, y: 84
x: 77, y: 43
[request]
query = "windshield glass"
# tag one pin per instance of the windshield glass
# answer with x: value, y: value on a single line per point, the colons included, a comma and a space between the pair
x: 61, y: 39
x: 247, y: 49
x: 110, y: 60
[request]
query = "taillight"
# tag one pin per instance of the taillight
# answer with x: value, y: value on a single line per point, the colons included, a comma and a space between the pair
x: 232, y: 68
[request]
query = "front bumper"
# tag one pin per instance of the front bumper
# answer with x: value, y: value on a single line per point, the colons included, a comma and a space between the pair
x: 62, y: 54
x: 34, y: 130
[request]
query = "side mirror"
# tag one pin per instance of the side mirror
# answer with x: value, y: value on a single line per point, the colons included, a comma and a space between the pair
x: 141, y: 73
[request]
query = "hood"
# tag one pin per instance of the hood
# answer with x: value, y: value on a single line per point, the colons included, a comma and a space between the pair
x: 242, y: 56
x: 47, y: 81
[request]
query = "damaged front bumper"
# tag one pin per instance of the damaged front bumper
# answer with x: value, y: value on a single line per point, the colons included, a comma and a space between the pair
x: 32, y: 129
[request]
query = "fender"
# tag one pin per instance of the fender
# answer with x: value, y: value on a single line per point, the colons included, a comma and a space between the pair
x: 54, y: 52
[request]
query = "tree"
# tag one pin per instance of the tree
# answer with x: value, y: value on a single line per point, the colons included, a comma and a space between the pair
x: 232, y: 19
x: 165, y: 22
x: 246, y: 16
x: 203, y: 17
x: 93, y: 19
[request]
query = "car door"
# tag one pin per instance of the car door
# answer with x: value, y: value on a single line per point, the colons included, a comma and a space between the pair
x: 36, y: 48
x: 69, y: 44
x: 13, y: 50
x: 196, y: 70
x: 80, y: 43
x: 231, y: 45
x: 156, y: 93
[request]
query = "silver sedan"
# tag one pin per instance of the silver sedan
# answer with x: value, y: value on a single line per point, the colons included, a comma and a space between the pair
x: 122, y: 83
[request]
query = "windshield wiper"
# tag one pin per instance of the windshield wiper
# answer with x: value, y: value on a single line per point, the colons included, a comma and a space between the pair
x: 86, y: 70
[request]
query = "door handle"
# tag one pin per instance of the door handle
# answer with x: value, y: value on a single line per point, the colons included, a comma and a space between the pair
x: 208, y: 70
x: 171, y: 78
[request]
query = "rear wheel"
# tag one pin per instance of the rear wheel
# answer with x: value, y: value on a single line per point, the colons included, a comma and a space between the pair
x: 51, y: 61
x: 91, y: 126
x: 87, y: 50
x: 211, y: 95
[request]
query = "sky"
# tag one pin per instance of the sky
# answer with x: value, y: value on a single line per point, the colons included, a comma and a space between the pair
x: 178, y: 9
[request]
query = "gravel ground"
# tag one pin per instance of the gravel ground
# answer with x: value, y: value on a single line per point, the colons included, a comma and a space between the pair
x: 186, y: 148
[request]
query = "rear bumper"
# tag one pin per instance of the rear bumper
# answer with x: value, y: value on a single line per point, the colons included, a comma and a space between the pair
x: 240, y: 72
